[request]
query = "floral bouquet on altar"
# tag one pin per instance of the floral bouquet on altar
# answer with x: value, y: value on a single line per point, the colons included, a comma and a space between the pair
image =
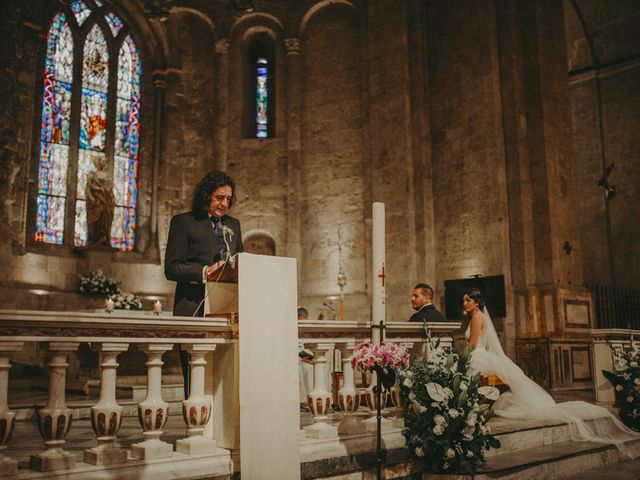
x: 446, y: 411
x: 126, y: 301
x: 626, y: 382
x: 98, y: 283
x: 386, y: 360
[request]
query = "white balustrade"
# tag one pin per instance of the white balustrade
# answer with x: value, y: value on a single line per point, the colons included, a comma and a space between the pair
x: 106, y: 415
x: 319, y: 399
x: 55, y: 418
x: 196, y: 410
x: 8, y: 466
x: 348, y: 397
x: 153, y: 411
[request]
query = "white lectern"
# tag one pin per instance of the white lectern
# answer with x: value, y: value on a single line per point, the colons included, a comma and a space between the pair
x: 259, y: 373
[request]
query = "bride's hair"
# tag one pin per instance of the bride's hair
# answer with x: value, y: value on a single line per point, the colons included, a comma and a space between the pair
x: 475, y: 295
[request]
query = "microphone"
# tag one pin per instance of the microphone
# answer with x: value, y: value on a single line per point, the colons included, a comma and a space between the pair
x: 227, y: 234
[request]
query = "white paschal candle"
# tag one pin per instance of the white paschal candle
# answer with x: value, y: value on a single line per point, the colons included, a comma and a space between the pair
x: 378, y: 309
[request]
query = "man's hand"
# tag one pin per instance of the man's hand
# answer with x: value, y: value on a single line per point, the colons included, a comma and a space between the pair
x: 212, y: 268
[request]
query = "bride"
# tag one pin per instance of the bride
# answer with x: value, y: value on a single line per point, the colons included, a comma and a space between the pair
x: 526, y: 400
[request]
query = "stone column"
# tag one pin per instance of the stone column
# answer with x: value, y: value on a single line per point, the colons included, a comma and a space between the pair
x: 319, y: 399
x: 348, y: 397
x: 8, y: 466
x: 159, y: 84
x: 153, y: 411
x: 196, y: 410
x: 106, y: 415
x: 54, y: 419
x: 294, y: 109
x: 220, y: 131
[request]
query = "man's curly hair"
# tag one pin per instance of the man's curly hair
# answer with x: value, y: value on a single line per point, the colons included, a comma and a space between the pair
x: 209, y: 184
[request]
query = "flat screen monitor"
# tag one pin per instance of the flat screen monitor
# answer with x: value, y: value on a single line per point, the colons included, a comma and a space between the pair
x: 492, y: 289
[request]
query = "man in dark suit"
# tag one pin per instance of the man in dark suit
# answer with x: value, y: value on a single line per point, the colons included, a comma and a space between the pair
x: 199, y: 242
x: 421, y: 301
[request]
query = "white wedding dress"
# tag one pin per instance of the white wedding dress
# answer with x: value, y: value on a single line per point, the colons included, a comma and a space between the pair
x: 526, y: 400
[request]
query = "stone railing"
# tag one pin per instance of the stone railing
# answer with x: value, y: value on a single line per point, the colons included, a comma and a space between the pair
x: 111, y: 334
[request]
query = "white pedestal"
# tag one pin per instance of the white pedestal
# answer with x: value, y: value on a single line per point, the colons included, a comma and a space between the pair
x: 197, y: 445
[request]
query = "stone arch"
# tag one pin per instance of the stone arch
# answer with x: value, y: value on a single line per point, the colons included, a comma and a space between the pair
x: 317, y: 8
x: 260, y: 242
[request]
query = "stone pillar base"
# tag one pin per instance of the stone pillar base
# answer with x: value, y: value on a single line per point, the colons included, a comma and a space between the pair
x: 151, y: 449
x: 350, y: 424
x: 56, y: 459
x: 196, y: 445
x: 105, y: 456
x: 8, y: 466
x: 371, y: 424
x: 321, y: 430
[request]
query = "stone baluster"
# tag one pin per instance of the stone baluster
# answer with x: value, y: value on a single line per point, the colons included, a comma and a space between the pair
x: 106, y: 415
x: 196, y: 410
x: 319, y: 399
x: 54, y: 419
x: 153, y: 411
x: 8, y: 466
x: 348, y: 397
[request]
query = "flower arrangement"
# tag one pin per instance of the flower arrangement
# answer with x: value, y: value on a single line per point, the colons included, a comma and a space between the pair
x: 626, y: 382
x: 386, y: 359
x: 126, y: 301
x: 98, y: 283
x: 446, y: 411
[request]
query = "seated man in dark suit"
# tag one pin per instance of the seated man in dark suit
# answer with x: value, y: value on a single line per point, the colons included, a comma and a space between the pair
x: 421, y: 301
x: 199, y: 242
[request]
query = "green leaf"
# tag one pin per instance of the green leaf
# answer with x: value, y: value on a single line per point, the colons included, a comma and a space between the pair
x: 612, y: 377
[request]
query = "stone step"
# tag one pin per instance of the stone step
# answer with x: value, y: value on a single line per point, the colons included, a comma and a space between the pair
x: 557, y: 461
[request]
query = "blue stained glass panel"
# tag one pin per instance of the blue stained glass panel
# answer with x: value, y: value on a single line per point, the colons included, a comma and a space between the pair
x: 127, y: 141
x: 50, y: 219
x: 115, y: 23
x: 262, y: 103
x: 93, y: 120
x: 80, y: 11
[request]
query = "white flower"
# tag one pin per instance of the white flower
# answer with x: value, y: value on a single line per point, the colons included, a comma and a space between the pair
x: 450, y: 453
x: 439, y: 420
x: 435, y: 404
x: 407, y: 382
x: 626, y: 376
x: 453, y: 413
x: 472, y: 419
x: 633, y: 364
x: 412, y: 396
x: 484, y: 429
x: 448, y: 392
x: 469, y: 454
x: 436, y: 392
x: 418, y: 407
x: 463, y: 387
x: 438, y: 430
x: 419, y: 452
x: 468, y: 432
x: 636, y: 381
x: 490, y: 393
x: 629, y: 399
x: 619, y: 388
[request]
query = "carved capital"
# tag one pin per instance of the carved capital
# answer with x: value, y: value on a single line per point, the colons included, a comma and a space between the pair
x: 292, y: 46
x: 222, y: 46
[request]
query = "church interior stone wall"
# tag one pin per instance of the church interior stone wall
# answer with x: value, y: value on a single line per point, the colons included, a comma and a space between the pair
x: 484, y: 132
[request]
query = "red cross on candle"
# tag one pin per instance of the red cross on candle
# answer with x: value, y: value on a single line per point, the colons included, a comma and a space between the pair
x: 381, y: 275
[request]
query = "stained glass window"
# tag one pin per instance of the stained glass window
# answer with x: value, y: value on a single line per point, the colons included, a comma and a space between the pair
x: 94, y: 132
x: 125, y: 171
x: 80, y: 11
x: 262, y: 104
x: 115, y: 24
x: 54, y: 133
